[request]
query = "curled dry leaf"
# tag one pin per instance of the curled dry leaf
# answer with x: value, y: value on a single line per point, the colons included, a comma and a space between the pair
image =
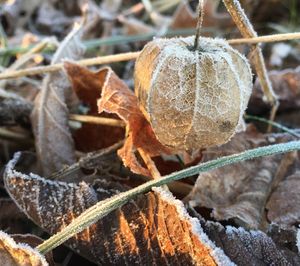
x: 117, y: 98
x: 13, y: 254
x: 154, y: 229
x: 283, y: 205
x: 251, y: 247
x: 240, y: 190
x: 87, y: 86
x: 53, y: 140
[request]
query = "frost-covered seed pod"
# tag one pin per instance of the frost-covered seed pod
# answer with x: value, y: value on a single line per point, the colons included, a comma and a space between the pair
x: 193, y: 99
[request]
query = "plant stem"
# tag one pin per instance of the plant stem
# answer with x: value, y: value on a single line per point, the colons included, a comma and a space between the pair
x: 97, y: 120
x: 199, y: 23
x: 269, y: 122
x: 131, y: 56
x: 245, y: 27
x: 267, y: 38
x: 55, y: 67
x: 104, y: 207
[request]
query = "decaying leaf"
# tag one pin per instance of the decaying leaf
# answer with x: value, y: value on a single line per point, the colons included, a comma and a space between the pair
x: 13, y: 254
x: 154, y: 229
x: 87, y: 86
x: 251, y: 247
x: 117, y: 98
x: 240, y: 190
x: 53, y: 140
x: 283, y: 205
x: 286, y: 86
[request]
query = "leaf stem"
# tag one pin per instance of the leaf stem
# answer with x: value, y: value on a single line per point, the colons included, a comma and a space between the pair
x: 104, y: 207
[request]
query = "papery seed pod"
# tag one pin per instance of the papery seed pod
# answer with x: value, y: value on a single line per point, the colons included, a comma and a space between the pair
x: 192, y: 98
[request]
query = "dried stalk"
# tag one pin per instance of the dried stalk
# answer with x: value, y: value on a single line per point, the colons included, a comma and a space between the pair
x: 245, y: 27
x: 104, y: 207
x: 97, y: 120
x: 56, y: 67
x: 131, y: 56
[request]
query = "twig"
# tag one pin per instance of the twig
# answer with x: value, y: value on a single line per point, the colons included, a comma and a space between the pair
x: 56, y: 67
x: 103, y: 208
x: 8, y: 134
x: 244, y: 25
x: 247, y: 31
x: 132, y: 56
x: 267, y: 38
x: 97, y: 120
x: 150, y: 164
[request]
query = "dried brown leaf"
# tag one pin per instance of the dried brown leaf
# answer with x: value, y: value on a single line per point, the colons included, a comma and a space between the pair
x: 13, y: 254
x: 283, y: 205
x: 154, y: 229
x: 117, y: 98
x: 240, y: 190
x: 53, y: 140
x: 87, y: 86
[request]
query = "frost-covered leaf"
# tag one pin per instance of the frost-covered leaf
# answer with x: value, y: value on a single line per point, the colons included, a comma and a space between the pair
x: 240, y: 190
x: 283, y: 205
x: 13, y: 254
x: 286, y: 84
x: 154, y: 229
x: 87, y: 86
x: 117, y: 98
x: 53, y: 140
x: 251, y: 247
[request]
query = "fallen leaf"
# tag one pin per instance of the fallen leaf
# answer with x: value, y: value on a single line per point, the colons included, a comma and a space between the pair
x: 250, y: 247
x: 155, y: 228
x: 241, y: 190
x: 284, y: 202
x: 87, y: 86
x: 53, y: 140
x: 33, y: 241
x: 186, y: 17
x: 286, y: 86
x: 117, y: 98
x: 13, y: 254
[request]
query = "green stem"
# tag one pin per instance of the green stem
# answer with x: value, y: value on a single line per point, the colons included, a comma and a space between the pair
x: 104, y: 207
x: 274, y: 124
x: 94, y: 43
